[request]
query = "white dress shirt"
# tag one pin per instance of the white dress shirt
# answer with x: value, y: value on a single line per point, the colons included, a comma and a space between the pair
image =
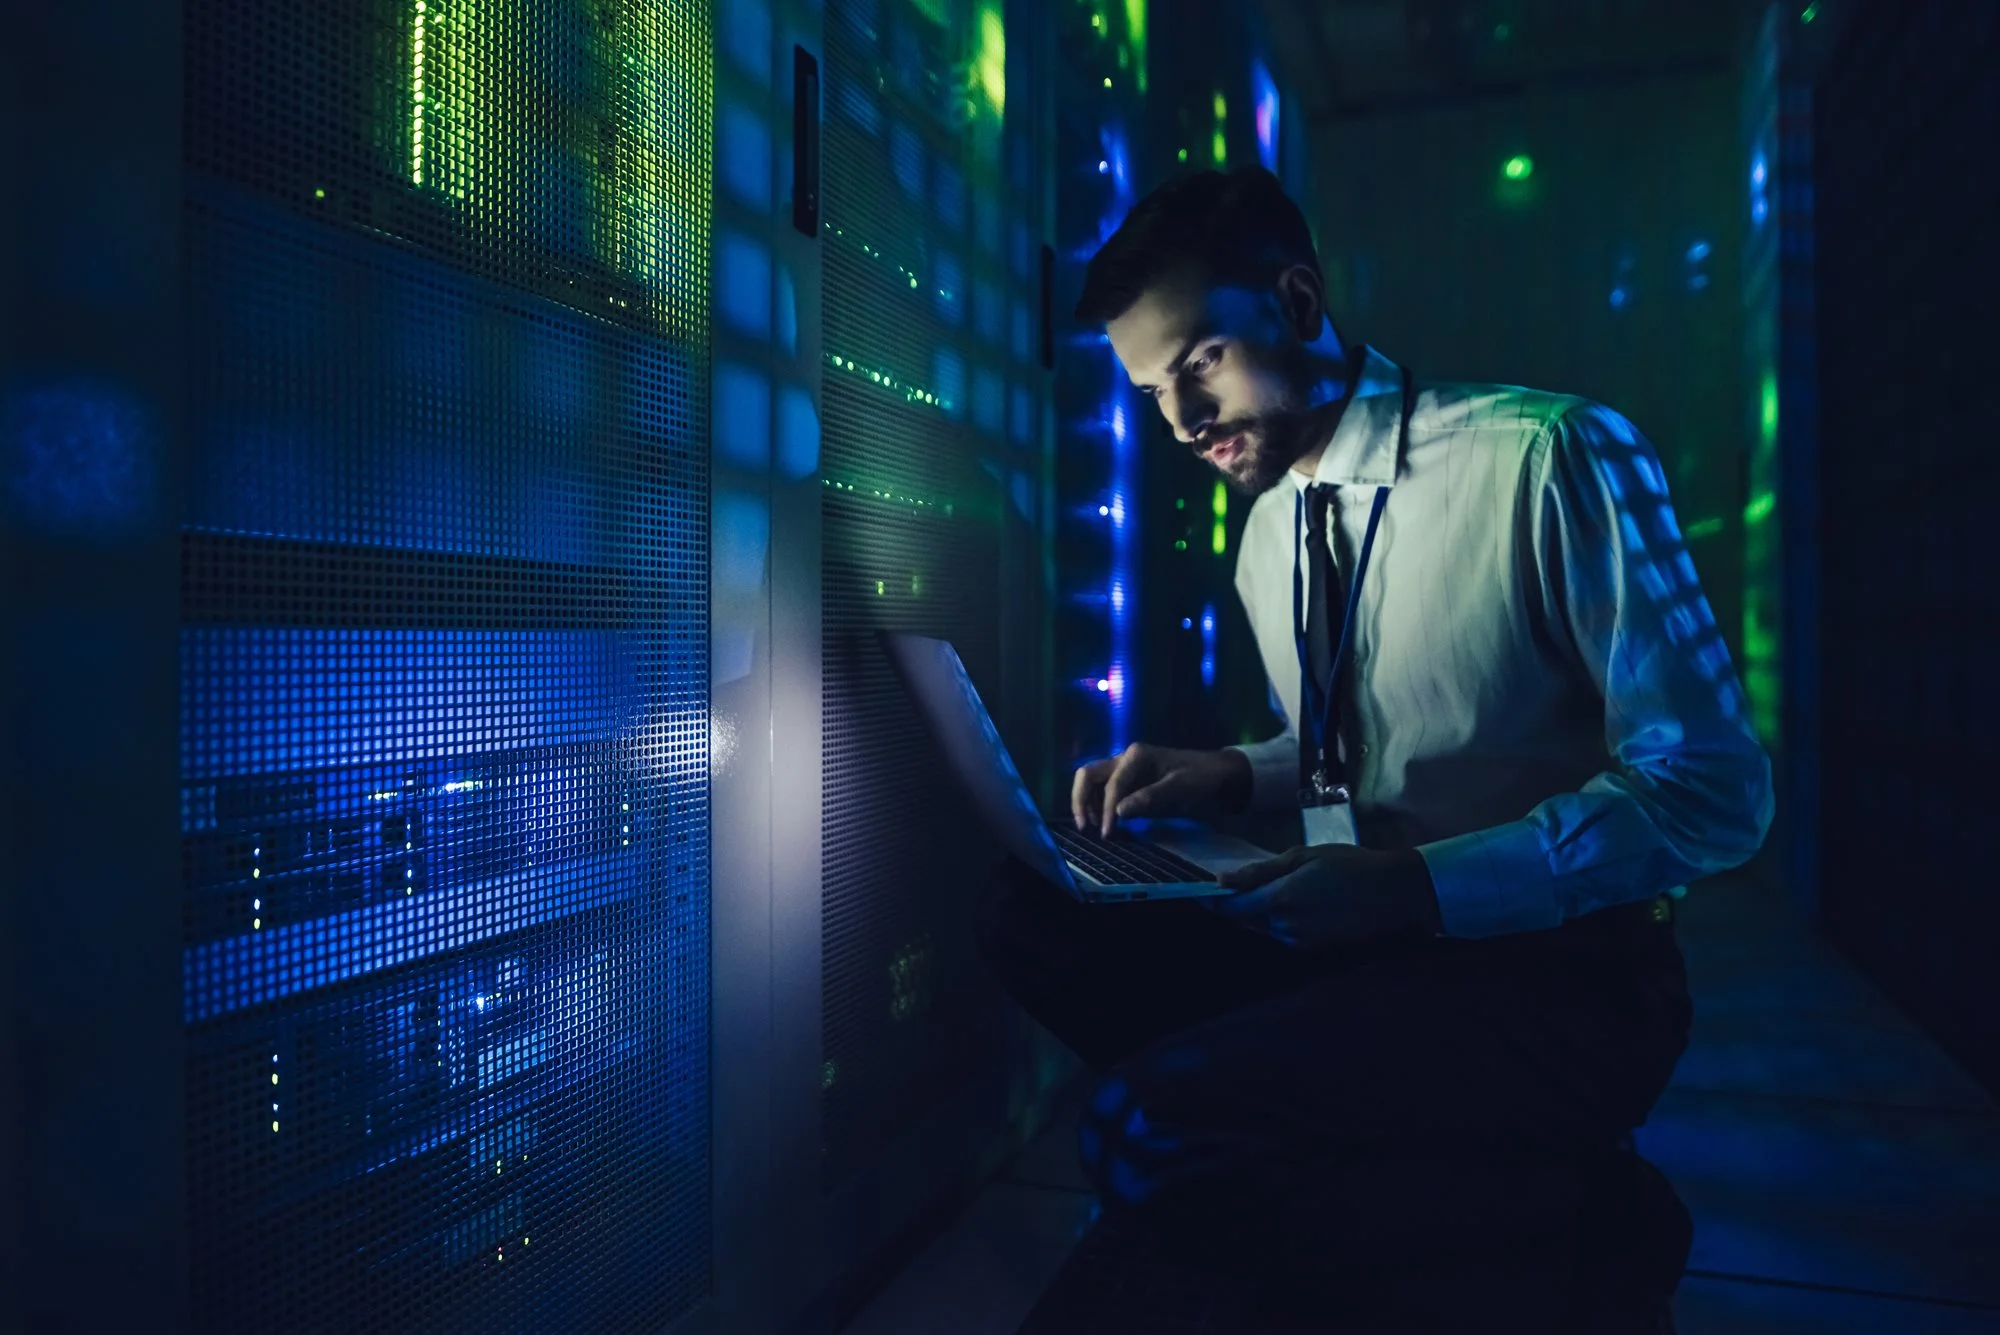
x: 1539, y: 701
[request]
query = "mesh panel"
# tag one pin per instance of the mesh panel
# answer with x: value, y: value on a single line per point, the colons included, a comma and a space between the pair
x: 444, y: 666
x: 1902, y: 216
x: 932, y: 412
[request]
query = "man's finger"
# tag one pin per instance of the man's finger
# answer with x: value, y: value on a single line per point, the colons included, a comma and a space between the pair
x: 1085, y: 788
x: 1249, y: 902
x: 1253, y: 874
x: 1153, y: 797
x: 1125, y: 776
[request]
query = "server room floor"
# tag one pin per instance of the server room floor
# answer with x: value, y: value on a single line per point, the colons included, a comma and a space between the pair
x: 1844, y: 1174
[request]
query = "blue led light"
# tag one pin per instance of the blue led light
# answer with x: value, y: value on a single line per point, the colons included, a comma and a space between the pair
x: 1208, y: 646
x: 1264, y: 91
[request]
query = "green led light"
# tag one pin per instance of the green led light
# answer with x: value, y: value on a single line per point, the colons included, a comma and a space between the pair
x: 1519, y: 167
x: 1219, y: 539
x: 990, y: 59
x: 888, y: 381
x: 1760, y: 507
x: 1180, y: 544
x: 1107, y: 81
x: 1180, y: 503
x: 1135, y: 33
x: 1769, y: 420
x: 417, y: 98
x: 1704, y: 528
x: 1811, y: 12
x: 645, y: 205
x: 892, y: 495
x: 1219, y: 503
x: 1183, y: 155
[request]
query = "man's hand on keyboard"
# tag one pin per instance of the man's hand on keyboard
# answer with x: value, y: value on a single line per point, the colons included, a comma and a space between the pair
x: 1331, y: 894
x: 1147, y: 780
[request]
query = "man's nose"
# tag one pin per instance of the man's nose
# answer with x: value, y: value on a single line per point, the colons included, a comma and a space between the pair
x: 1189, y: 416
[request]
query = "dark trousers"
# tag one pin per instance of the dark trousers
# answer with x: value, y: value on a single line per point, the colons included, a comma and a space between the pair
x: 1381, y: 1107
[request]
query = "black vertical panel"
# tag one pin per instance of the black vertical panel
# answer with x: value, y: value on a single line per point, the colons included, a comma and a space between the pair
x: 933, y: 419
x: 444, y: 665
x: 91, y: 435
x: 1907, y: 205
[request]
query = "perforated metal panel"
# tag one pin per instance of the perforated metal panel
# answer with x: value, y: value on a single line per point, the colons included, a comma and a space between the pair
x: 1903, y: 211
x: 444, y: 665
x: 933, y: 400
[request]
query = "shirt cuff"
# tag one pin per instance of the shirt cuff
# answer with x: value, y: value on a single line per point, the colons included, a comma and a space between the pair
x: 1274, y: 772
x: 1493, y: 882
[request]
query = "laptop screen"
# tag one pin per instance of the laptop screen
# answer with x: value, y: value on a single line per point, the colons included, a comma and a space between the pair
x: 951, y: 708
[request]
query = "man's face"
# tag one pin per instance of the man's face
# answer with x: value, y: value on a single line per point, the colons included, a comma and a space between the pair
x: 1227, y: 368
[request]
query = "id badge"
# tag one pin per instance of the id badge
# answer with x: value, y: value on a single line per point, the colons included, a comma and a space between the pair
x: 1330, y: 823
x: 1328, y: 811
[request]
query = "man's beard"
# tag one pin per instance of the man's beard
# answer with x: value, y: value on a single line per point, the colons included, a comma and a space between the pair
x: 1270, y: 447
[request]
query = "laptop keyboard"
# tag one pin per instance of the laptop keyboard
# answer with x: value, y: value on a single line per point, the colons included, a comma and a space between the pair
x: 1123, y: 861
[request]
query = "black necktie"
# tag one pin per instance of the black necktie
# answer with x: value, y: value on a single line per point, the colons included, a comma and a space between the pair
x: 1324, y: 612
x: 1324, y: 609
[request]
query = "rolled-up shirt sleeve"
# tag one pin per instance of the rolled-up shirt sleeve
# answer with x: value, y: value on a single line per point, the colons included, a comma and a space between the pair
x: 1688, y: 790
x: 1274, y: 771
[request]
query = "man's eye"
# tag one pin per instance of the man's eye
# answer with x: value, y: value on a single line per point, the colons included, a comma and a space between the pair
x: 1203, y: 362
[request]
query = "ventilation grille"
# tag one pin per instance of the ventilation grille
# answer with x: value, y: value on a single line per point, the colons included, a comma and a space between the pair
x: 444, y: 666
x: 933, y: 407
x: 1901, y: 214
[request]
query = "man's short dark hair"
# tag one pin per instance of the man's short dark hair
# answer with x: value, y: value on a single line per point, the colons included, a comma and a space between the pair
x: 1233, y: 227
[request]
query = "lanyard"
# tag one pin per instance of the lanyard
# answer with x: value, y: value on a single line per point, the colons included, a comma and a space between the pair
x: 1321, y: 715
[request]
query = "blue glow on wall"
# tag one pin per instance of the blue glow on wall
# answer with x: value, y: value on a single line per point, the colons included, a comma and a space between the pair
x: 746, y: 39
x: 798, y: 433
x: 906, y: 159
x: 948, y: 287
x: 79, y: 456
x: 948, y: 380
x: 988, y: 400
x: 743, y: 284
x: 742, y: 416
x: 744, y: 156
x: 948, y: 190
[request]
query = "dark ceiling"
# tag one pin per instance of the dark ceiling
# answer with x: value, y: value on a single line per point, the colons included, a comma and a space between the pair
x: 1350, y: 58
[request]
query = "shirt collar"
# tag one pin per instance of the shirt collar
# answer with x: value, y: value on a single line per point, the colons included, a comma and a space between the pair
x: 1362, y: 452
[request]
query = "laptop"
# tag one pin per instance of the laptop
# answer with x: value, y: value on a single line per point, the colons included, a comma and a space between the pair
x: 1151, y: 859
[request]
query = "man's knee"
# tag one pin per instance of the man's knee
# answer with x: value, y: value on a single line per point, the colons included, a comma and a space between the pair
x: 1135, y: 1137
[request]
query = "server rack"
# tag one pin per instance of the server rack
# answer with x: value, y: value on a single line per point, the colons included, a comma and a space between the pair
x: 1903, y: 96
x: 468, y: 552
x: 935, y: 485
x: 443, y: 665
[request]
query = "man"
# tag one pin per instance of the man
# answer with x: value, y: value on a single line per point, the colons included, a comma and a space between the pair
x: 1397, y: 1070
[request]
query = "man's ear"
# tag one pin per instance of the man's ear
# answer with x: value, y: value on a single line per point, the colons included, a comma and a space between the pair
x: 1303, y: 300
